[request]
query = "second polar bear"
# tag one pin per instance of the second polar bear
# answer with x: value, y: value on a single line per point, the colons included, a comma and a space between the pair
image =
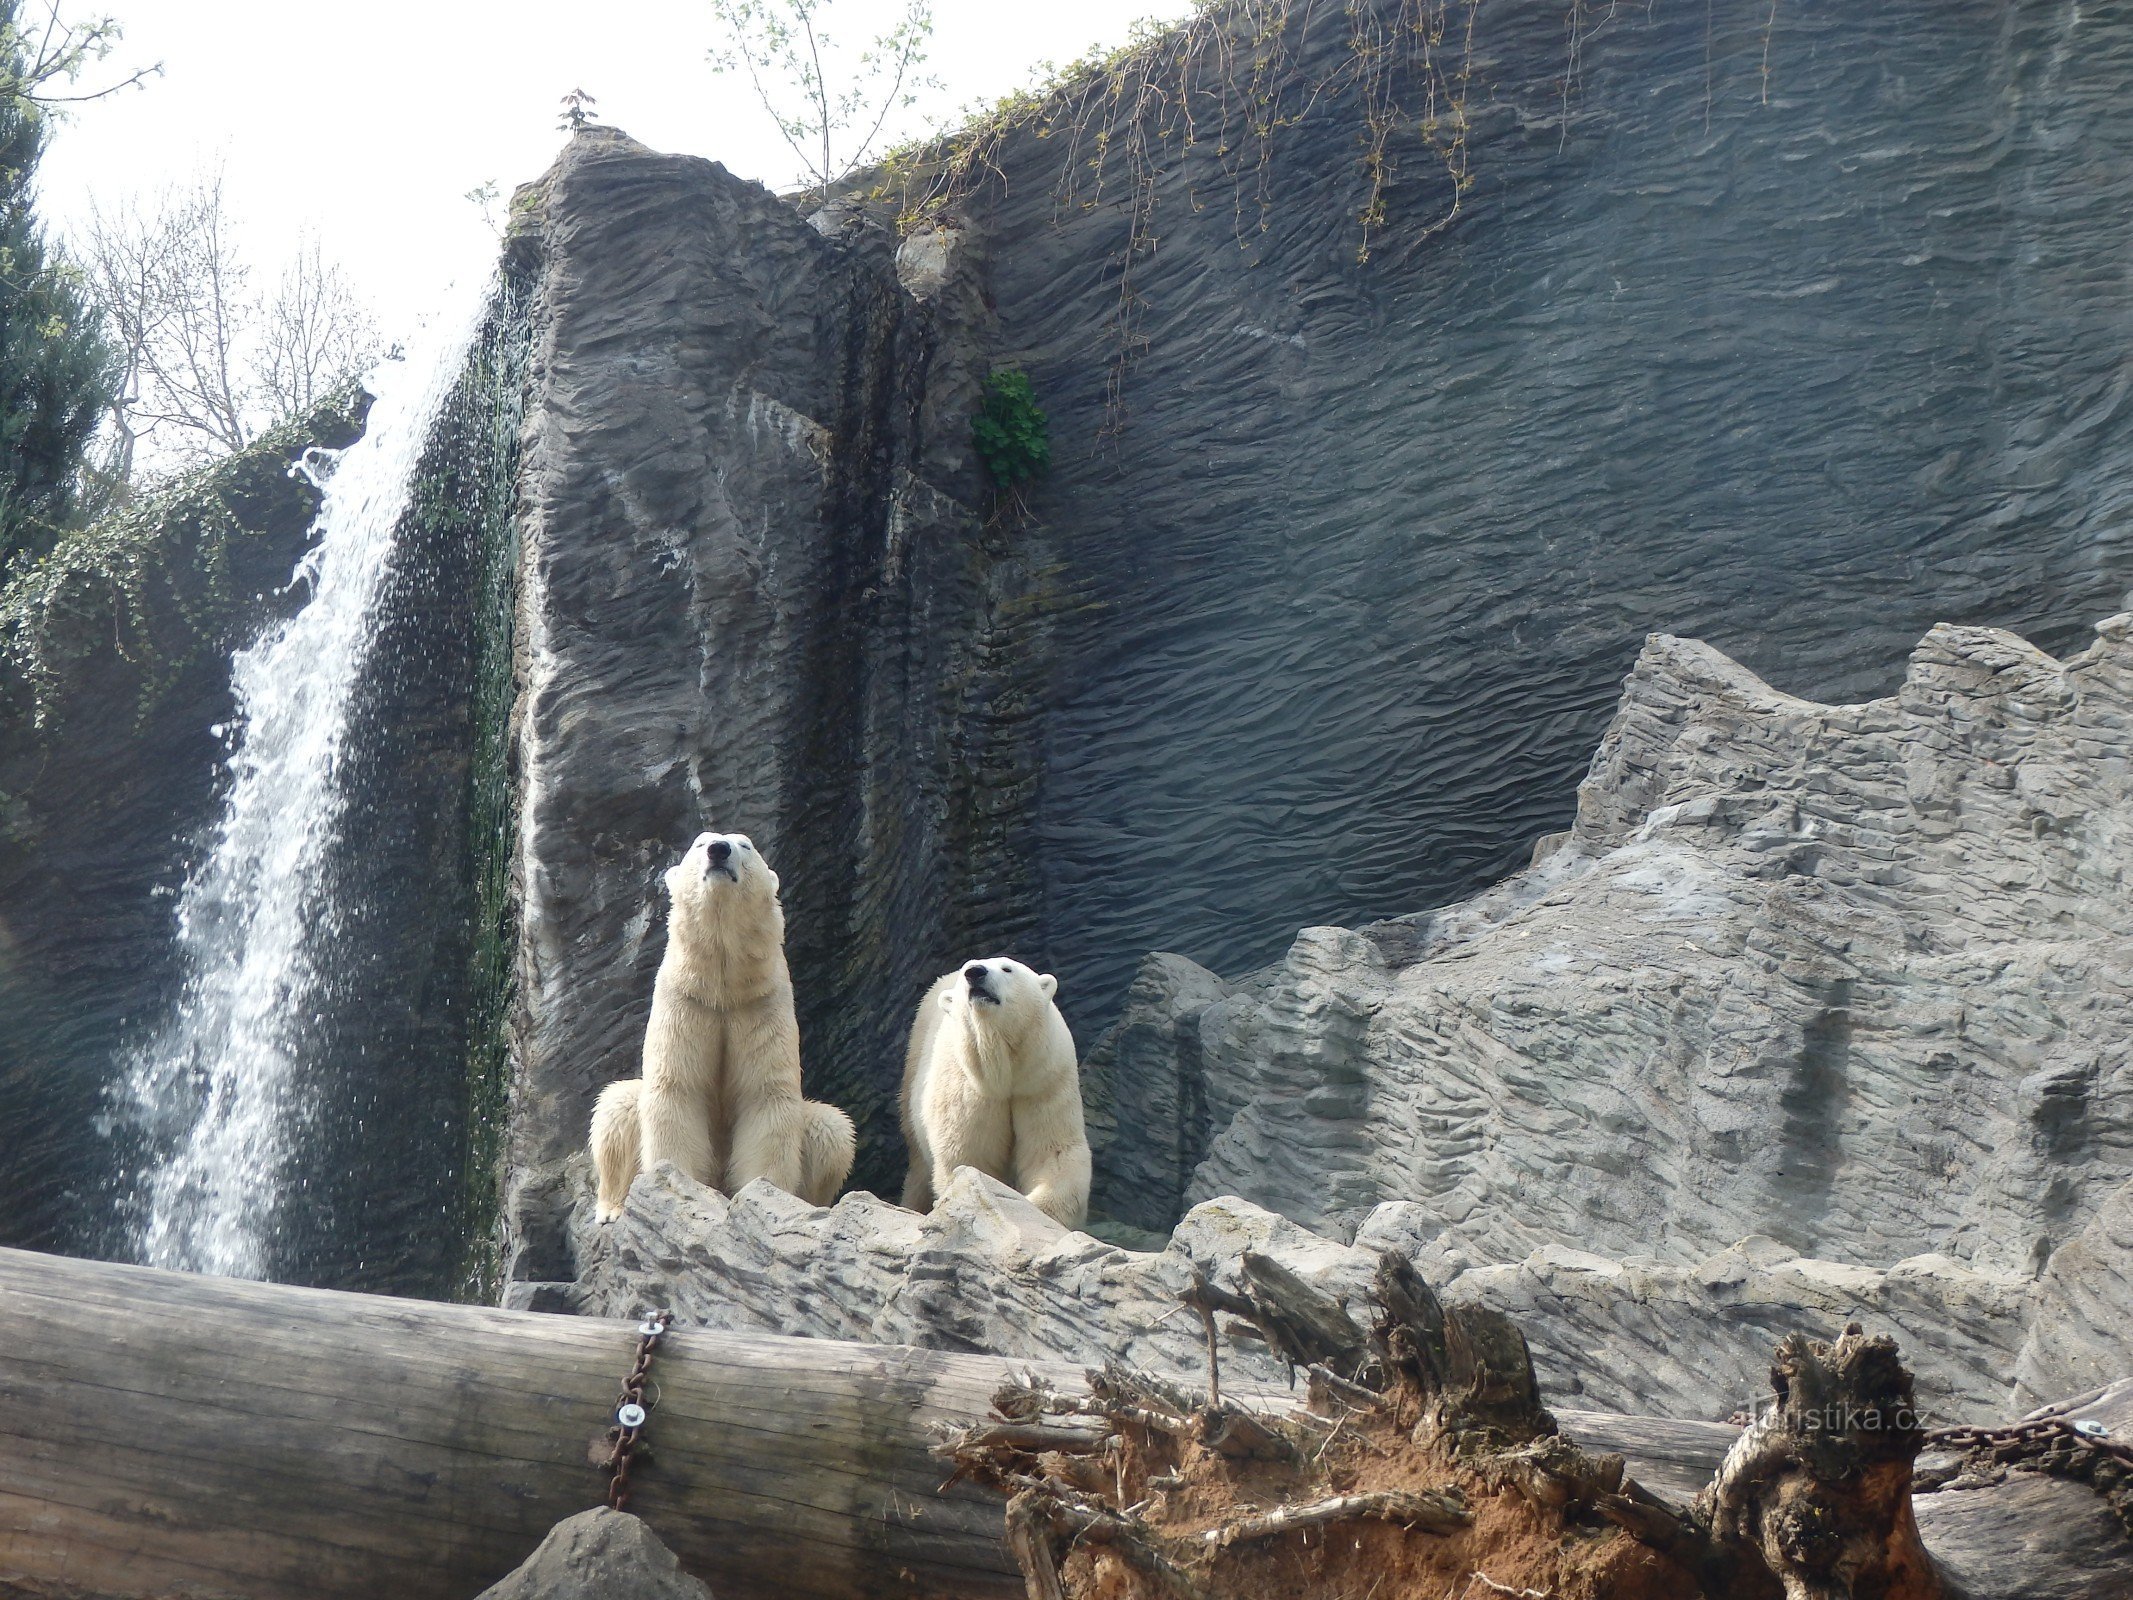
x: 990, y: 1081
x: 720, y: 1095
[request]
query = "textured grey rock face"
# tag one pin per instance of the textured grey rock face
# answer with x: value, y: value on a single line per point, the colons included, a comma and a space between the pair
x: 599, y: 1555
x: 985, y: 1271
x: 1144, y: 1086
x: 1638, y: 1336
x: 1327, y: 629
x: 750, y: 599
x: 2078, y: 1337
x: 1796, y: 332
x: 1853, y: 978
x: 1340, y: 562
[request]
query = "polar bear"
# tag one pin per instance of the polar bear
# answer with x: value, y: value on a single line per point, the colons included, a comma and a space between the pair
x: 720, y: 1095
x: 990, y: 1081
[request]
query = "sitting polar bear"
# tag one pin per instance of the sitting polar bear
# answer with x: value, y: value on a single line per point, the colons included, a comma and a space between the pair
x: 990, y: 1081
x: 720, y: 1095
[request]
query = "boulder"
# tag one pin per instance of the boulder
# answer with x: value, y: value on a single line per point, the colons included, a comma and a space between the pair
x: 599, y: 1555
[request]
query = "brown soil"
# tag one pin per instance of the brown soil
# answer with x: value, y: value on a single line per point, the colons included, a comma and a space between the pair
x: 1514, y: 1545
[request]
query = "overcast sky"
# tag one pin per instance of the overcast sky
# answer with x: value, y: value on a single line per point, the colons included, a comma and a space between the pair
x: 369, y: 122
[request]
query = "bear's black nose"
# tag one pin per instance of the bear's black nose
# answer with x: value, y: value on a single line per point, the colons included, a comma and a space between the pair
x: 720, y: 850
x: 976, y: 975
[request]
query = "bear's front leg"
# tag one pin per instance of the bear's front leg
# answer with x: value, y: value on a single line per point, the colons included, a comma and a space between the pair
x: 673, y: 1127
x: 1052, y: 1154
x: 766, y: 1144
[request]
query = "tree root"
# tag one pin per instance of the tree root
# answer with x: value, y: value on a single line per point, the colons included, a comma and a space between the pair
x: 1432, y: 1513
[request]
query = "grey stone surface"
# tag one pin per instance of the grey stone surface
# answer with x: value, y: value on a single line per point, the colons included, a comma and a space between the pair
x: 1639, y: 1336
x: 754, y: 596
x: 1798, y: 333
x: 984, y: 1271
x: 599, y: 1555
x: 1148, y: 1119
x: 1854, y: 979
x: 1326, y: 597
x: 2079, y: 1334
x: 1816, y: 1011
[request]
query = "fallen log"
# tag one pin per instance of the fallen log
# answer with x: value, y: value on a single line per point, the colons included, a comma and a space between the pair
x: 164, y: 1433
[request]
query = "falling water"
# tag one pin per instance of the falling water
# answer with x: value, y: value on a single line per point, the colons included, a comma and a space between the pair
x: 217, y: 1092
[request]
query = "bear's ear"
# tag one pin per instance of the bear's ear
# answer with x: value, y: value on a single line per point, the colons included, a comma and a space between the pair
x: 772, y: 876
x: 1047, y: 985
x: 672, y: 878
x: 946, y: 1001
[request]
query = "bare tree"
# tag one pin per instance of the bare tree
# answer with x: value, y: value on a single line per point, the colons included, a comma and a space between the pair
x: 314, y: 333
x: 830, y: 102
x: 209, y: 363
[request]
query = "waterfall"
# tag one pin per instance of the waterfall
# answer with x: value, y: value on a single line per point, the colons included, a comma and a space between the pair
x: 217, y: 1093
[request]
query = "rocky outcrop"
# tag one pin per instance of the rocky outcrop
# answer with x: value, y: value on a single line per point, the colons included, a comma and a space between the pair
x: 1817, y: 1014
x: 1853, y: 979
x: 984, y: 1271
x: 756, y: 594
x: 599, y: 1555
x: 987, y: 1271
x: 1814, y: 1011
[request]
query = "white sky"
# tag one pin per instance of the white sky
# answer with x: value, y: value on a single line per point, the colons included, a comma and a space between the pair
x: 368, y: 122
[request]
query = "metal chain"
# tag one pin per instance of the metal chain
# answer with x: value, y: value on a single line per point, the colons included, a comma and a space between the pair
x: 2058, y: 1447
x: 2022, y: 1441
x: 631, y: 1411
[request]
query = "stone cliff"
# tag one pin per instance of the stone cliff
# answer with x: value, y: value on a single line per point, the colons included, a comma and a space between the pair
x: 1385, y: 427
x: 756, y: 593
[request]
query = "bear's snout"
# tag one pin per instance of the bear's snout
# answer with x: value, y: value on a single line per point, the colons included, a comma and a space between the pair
x: 720, y: 850
x: 975, y: 975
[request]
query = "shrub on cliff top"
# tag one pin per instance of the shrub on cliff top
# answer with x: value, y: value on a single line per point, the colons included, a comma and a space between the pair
x: 1011, y: 434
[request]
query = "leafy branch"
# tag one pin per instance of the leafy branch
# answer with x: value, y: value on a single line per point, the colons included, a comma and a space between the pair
x: 829, y: 103
x: 36, y: 56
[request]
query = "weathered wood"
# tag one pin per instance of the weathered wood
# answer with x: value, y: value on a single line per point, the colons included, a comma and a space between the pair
x: 1430, y: 1510
x: 1819, y: 1488
x: 2027, y: 1537
x: 162, y: 1432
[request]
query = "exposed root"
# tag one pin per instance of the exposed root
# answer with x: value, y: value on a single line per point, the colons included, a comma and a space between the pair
x: 1432, y: 1513
x: 1450, y: 1482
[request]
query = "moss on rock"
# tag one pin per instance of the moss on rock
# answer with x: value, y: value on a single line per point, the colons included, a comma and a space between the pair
x: 182, y: 574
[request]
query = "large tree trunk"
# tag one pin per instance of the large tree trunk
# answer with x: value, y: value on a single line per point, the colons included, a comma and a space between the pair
x: 164, y: 1434
x: 161, y: 1432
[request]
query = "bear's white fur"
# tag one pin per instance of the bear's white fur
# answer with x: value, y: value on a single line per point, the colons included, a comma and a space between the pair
x: 720, y: 1095
x: 990, y: 1081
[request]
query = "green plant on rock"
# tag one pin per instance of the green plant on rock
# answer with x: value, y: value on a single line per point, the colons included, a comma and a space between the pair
x: 1010, y: 432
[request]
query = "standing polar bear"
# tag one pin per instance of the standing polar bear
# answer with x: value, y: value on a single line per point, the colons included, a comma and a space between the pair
x: 990, y: 1081
x: 720, y: 1095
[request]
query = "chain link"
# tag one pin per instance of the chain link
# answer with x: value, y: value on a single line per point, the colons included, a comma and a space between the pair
x: 2059, y: 1447
x: 631, y: 1412
x: 2022, y: 1441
